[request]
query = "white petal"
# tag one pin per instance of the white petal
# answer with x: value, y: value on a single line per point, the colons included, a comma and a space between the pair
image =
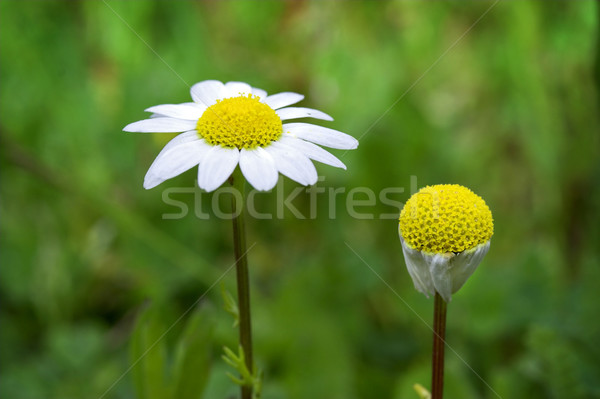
x: 236, y: 89
x: 160, y: 125
x: 298, y: 112
x: 464, y: 264
x: 216, y: 167
x: 259, y: 92
x: 207, y: 92
x: 312, y: 151
x: 418, y: 269
x: 293, y: 164
x: 186, y: 137
x: 181, y: 111
x: 284, y: 99
x: 439, y: 267
x: 259, y: 168
x: 321, y: 135
x: 157, y: 115
x: 177, y: 159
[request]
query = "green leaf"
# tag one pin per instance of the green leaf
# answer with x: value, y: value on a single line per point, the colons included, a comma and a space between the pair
x: 230, y: 305
x: 247, y: 378
x: 193, y: 355
x: 149, y: 355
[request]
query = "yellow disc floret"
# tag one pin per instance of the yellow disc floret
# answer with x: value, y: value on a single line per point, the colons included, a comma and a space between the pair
x: 241, y: 122
x: 445, y: 218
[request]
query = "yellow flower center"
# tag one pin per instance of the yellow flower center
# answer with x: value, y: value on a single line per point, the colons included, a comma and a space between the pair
x: 241, y: 122
x: 445, y: 218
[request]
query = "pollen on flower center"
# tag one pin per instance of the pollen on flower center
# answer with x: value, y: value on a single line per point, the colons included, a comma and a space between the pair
x: 241, y: 122
x: 445, y: 218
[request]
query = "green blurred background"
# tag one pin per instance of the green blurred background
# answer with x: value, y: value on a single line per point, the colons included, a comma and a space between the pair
x: 510, y: 110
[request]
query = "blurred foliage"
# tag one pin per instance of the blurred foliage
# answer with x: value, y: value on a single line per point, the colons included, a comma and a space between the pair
x: 508, y: 108
x: 190, y: 363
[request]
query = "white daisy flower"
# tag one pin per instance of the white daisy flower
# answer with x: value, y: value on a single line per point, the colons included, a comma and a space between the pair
x: 445, y: 231
x: 235, y: 124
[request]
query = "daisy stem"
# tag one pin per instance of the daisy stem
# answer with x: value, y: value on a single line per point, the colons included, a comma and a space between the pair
x: 439, y: 333
x: 243, y: 282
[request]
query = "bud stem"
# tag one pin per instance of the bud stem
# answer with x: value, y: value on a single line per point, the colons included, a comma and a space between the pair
x: 439, y: 333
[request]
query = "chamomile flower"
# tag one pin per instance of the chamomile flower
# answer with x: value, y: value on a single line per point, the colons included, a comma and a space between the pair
x: 445, y: 231
x: 234, y: 124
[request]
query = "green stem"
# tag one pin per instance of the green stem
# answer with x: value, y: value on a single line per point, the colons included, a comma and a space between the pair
x: 243, y: 282
x: 439, y: 334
